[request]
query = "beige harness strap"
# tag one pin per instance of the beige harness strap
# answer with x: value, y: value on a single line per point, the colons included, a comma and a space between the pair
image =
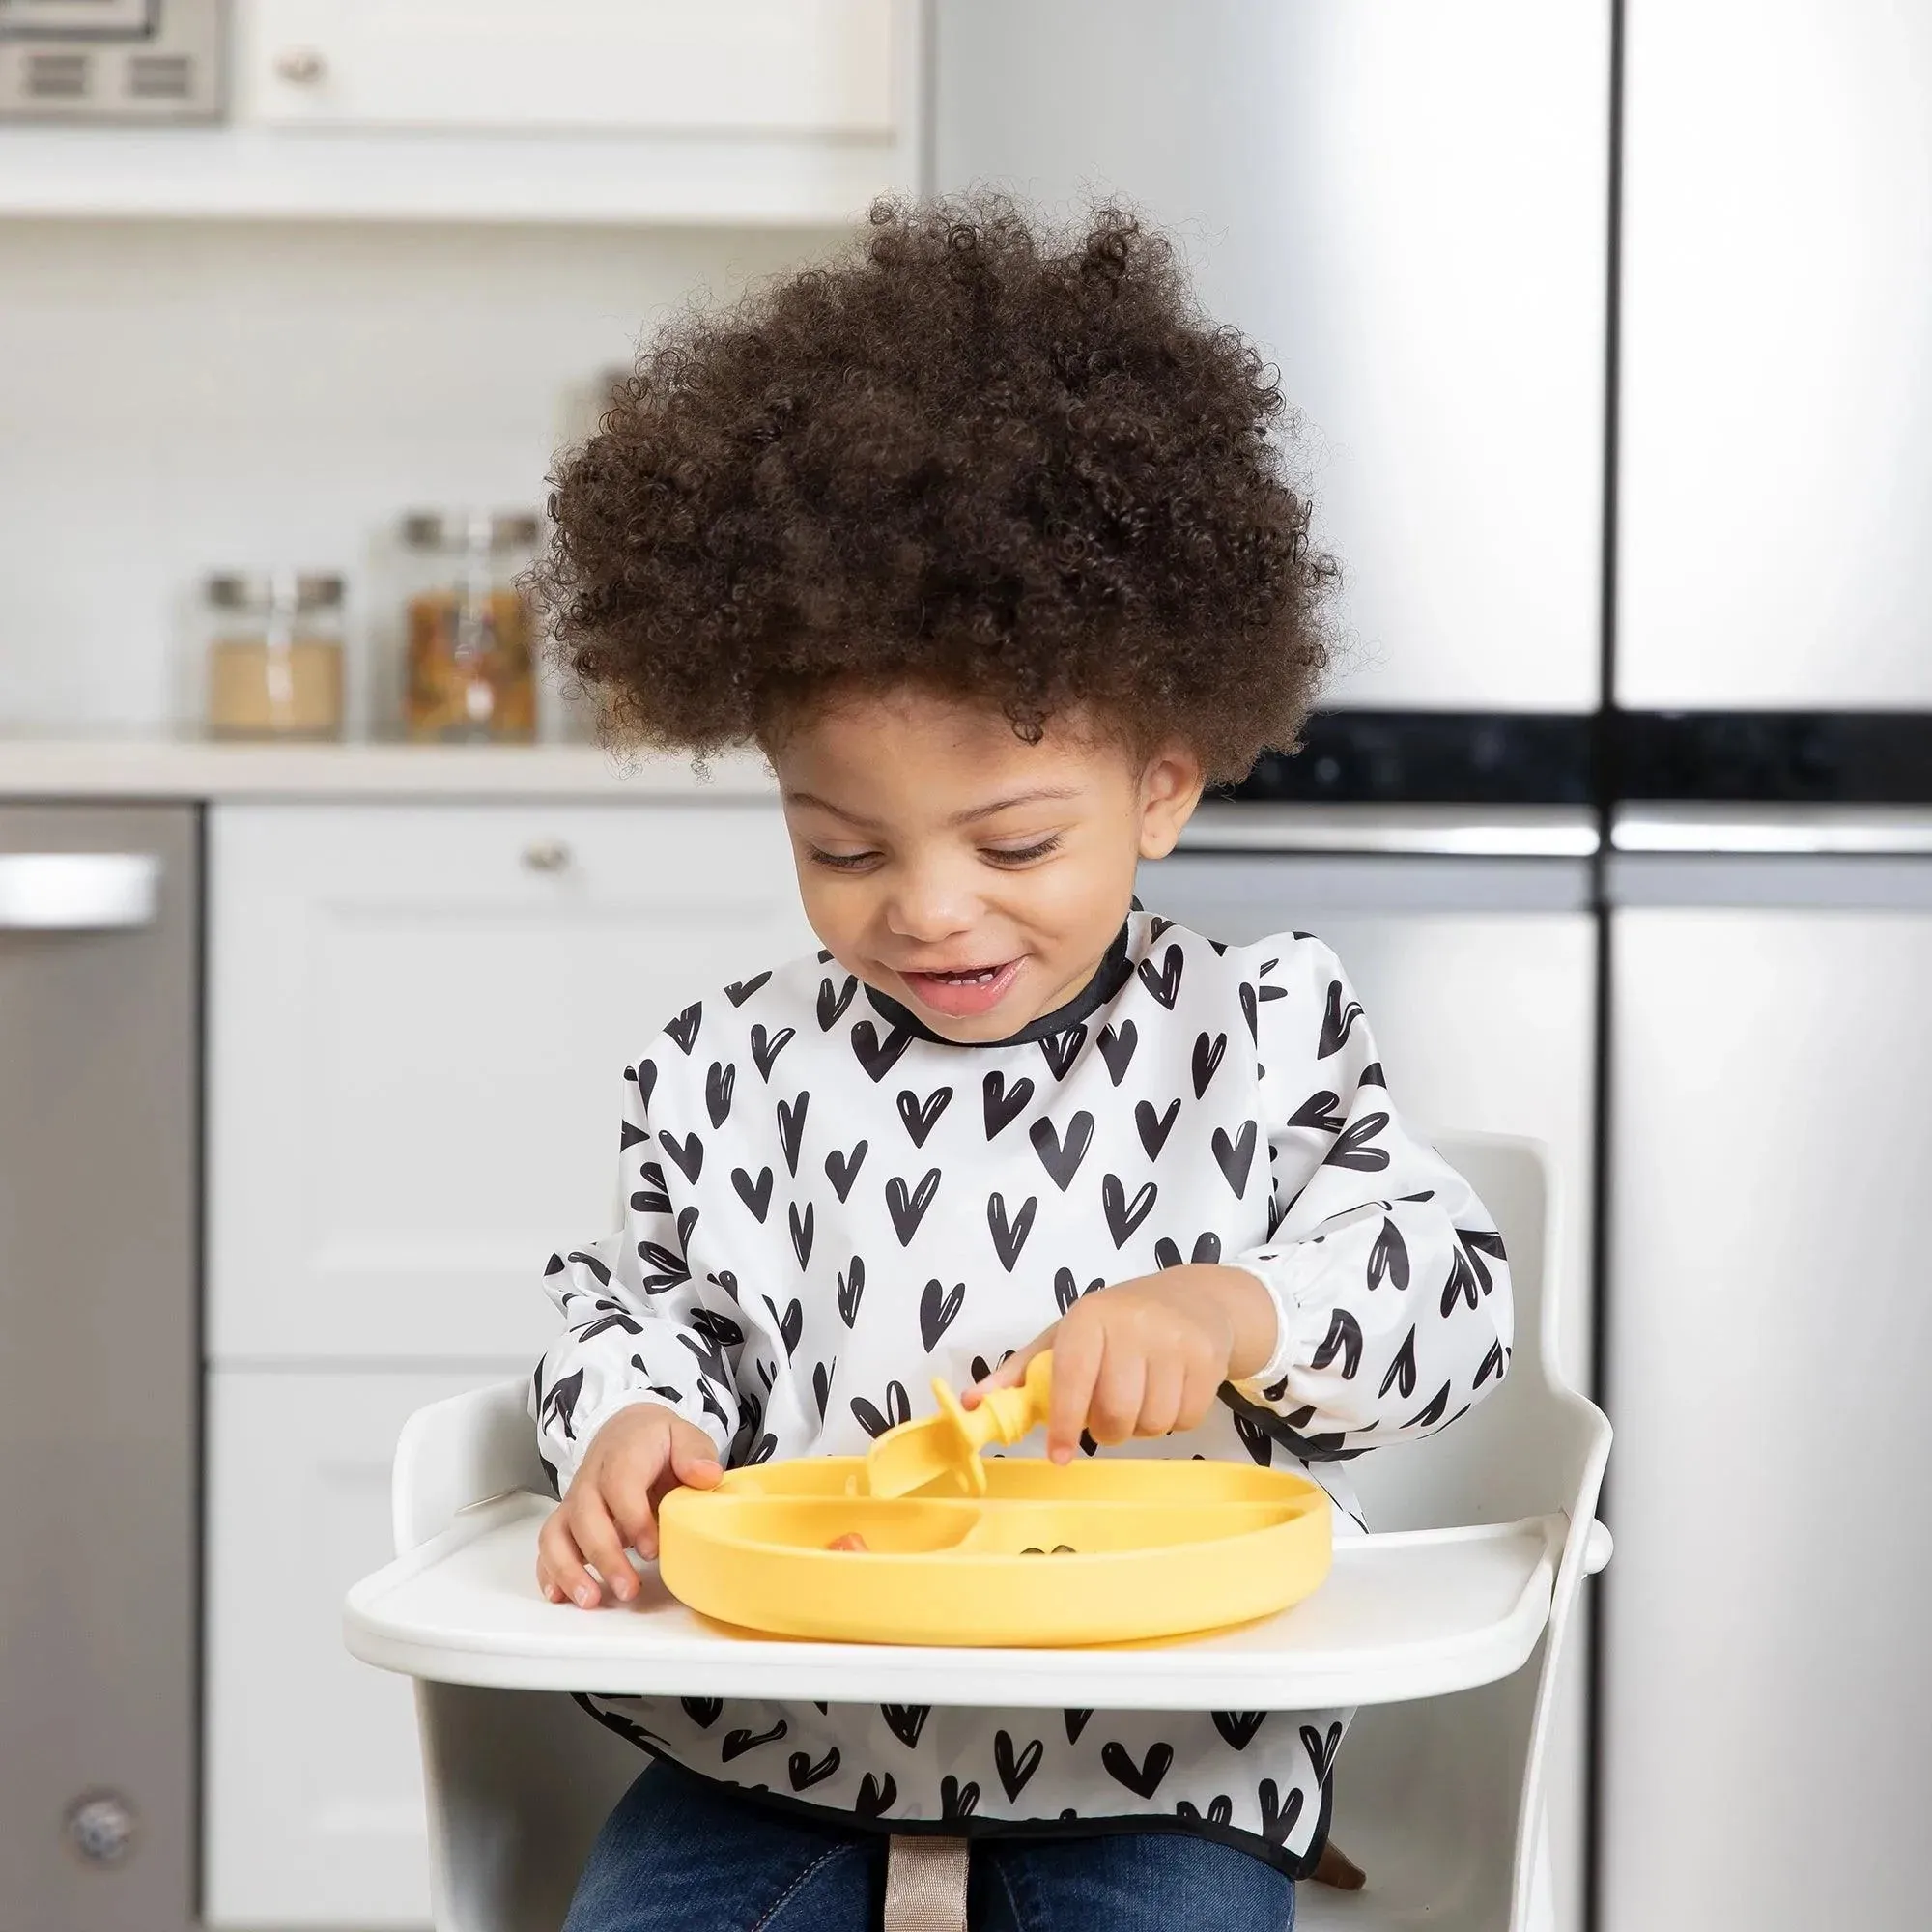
x: 925, y: 1884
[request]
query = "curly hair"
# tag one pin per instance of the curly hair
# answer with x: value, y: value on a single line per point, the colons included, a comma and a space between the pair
x: 1021, y: 469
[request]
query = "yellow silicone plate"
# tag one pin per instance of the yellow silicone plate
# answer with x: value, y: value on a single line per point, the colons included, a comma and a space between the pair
x: 1098, y: 1552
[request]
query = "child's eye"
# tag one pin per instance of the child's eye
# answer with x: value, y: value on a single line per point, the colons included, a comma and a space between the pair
x: 842, y: 862
x: 1022, y: 854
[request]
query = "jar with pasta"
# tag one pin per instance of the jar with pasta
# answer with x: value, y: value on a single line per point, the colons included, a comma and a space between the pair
x: 469, y: 659
x: 273, y: 654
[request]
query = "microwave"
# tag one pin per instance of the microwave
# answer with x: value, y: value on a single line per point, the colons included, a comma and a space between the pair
x: 139, y: 61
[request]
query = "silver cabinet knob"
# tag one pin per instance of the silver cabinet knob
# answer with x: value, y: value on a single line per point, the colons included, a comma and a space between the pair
x: 101, y: 1827
x: 547, y: 855
x: 300, y: 66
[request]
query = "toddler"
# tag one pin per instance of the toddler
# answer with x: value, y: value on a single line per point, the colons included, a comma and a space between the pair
x: 987, y: 540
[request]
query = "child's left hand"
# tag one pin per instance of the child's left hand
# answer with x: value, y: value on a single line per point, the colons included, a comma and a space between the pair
x: 1147, y: 1356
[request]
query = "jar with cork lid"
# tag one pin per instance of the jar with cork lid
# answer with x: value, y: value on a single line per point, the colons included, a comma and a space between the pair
x: 273, y: 654
x: 468, y: 671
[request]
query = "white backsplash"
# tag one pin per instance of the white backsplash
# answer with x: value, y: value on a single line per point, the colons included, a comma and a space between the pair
x: 179, y: 397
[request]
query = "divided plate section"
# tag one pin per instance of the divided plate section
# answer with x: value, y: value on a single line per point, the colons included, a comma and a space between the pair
x: 1101, y: 1552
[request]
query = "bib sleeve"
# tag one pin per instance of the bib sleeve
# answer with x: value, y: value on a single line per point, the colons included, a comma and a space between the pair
x: 1389, y: 1280
x: 637, y: 1328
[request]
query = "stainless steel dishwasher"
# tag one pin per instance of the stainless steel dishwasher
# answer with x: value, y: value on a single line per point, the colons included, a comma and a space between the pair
x: 100, y: 925
x: 1470, y: 934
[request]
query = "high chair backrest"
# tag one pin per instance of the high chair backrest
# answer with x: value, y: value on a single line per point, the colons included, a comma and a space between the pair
x: 1442, y: 1802
x: 1516, y: 1453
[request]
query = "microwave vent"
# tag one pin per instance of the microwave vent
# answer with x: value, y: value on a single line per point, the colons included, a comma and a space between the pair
x: 160, y: 78
x: 146, y: 62
x: 54, y: 77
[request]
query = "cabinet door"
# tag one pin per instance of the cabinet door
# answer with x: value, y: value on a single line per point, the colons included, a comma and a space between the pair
x: 1405, y: 206
x: 796, y: 66
x: 1774, y: 457
x: 418, y: 1022
x: 312, y: 1800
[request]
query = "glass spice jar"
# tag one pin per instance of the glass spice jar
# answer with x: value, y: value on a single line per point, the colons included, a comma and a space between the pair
x: 468, y: 666
x: 273, y: 655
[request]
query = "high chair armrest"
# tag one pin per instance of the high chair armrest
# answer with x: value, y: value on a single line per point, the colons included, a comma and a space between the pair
x: 461, y: 1452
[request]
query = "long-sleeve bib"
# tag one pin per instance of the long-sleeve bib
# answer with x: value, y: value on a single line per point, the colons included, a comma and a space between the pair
x: 828, y: 1205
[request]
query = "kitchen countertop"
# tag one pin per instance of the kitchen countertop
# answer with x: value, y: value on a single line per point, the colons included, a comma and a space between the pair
x: 188, y: 768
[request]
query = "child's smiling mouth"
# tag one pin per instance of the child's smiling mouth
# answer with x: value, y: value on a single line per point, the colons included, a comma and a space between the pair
x: 963, y: 992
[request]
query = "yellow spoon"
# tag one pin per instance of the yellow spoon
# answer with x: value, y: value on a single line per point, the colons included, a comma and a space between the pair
x: 917, y: 1454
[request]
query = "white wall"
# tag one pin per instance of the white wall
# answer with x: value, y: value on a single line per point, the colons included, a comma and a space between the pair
x: 178, y: 397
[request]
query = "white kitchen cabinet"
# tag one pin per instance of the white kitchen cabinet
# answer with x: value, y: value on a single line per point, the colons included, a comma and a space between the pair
x: 766, y: 113
x: 313, y: 1805
x: 419, y: 1019
x: 819, y: 66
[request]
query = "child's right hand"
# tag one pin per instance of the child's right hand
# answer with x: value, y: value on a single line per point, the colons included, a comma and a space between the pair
x: 612, y: 1503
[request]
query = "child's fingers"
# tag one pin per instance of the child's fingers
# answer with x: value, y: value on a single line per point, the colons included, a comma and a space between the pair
x: 1011, y: 1372
x: 1119, y: 1390
x: 689, y: 1459
x: 561, y: 1563
x: 631, y: 1499
x: 552, y: 1590
x: 602, y: 1545
x: 1160, y: 1405
x: 694, y: 1460
x: 1076, y: 1364
x: 1198, y: 1393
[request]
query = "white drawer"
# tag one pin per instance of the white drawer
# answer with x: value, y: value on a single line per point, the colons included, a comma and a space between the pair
x: 312, y: 1784
x: 766, y: 66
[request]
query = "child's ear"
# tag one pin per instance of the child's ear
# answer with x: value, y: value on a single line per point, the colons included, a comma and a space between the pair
x: 1170, y: 790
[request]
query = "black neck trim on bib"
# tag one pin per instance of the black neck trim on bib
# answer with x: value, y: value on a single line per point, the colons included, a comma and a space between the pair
x: 1113, y: 973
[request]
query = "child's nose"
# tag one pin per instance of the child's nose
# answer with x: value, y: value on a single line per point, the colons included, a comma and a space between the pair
x: 930, y: 904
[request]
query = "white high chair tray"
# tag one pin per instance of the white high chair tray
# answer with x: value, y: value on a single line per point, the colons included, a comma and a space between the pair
x: 1412, y: 1614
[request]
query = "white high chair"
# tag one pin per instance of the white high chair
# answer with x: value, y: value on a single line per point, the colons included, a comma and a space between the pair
x: 1439, y: 1797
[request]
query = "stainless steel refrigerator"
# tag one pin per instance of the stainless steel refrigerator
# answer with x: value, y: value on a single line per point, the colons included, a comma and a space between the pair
x: 1475, y: 238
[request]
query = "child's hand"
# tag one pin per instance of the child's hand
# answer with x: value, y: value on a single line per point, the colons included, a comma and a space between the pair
x: 1145, y: 1357
x: 612, y: 1503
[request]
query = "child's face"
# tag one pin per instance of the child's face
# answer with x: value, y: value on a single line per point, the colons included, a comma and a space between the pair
x: 975, y: 878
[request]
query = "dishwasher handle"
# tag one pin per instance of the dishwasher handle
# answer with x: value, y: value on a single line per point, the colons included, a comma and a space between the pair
x: 77, y: 892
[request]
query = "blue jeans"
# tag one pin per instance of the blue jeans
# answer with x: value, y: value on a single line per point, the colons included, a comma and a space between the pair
x: 681, y: 1854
